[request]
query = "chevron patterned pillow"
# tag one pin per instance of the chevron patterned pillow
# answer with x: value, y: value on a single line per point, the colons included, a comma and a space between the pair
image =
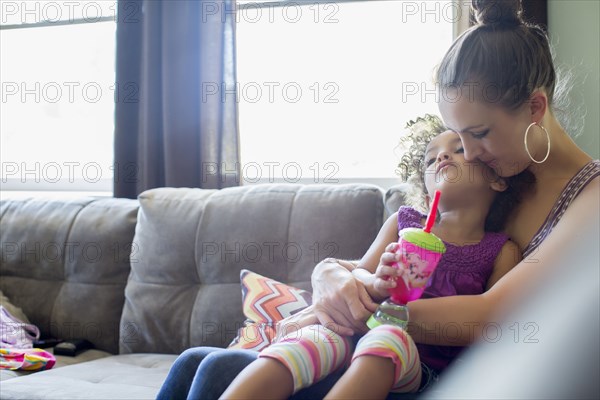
x: 265, y: 301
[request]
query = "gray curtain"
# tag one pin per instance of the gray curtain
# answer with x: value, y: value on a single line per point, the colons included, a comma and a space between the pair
x: 176, y: 109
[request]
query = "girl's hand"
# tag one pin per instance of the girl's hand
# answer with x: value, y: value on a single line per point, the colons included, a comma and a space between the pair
x: 341, y: 302
x: 386, y: 274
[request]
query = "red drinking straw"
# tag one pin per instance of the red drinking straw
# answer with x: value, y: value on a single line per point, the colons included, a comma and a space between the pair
x: 432, y: 212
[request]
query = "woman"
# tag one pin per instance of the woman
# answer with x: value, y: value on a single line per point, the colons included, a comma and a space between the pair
x: 497, y: 84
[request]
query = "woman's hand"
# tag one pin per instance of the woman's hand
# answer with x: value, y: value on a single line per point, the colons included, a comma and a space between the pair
x: 341, y: 302
x: 295, y: 322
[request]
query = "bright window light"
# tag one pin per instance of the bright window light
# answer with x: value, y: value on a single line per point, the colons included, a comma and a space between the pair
x: 58, y: 96
x: 327, y: 88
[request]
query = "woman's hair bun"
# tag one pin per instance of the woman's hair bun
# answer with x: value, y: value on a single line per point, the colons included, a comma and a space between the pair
x: 497, y: 12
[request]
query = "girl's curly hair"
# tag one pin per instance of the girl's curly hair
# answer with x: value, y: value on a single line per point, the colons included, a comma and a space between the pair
x: 411, y: 168
x: 420, y: 132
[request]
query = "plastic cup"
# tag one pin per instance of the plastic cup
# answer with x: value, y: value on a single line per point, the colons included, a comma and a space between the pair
x: 420, y: 253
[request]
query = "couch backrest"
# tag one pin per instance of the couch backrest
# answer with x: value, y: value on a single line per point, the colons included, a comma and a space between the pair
x: 184, y: 287
x: 66, y: 263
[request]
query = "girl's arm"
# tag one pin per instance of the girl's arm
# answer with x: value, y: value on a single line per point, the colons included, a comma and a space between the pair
x: 387, y: 234
x: 429, y: 317
x: 371, y: 261
x: 509, y: 256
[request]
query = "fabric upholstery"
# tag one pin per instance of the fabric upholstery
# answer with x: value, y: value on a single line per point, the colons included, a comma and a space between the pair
x: 184, y: 288
x: 61, y: 361
x: 66, y: 263
x: 394, y: 198
x: 266, y: 300
x: 133, y: 376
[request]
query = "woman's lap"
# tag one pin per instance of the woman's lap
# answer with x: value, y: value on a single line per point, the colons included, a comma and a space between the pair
x: 204, y: 372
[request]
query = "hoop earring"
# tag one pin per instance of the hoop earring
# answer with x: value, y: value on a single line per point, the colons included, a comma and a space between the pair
x: 527, y: 147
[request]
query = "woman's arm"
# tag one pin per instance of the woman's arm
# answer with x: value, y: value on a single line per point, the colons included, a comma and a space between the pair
x: 342, y: 300
x: 429, y: 317
x: 509, y: 256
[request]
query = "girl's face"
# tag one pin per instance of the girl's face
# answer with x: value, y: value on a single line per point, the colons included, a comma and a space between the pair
x: 489, y: 133
x: 447, y: 169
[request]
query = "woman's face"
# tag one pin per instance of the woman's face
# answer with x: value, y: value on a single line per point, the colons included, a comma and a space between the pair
x: 489, y: 133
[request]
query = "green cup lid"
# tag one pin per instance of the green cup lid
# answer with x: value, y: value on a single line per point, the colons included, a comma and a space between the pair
x: 423, y: 239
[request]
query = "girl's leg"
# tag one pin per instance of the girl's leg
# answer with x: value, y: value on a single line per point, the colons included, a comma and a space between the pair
x: 320, y: 389
x: 385, y: 359
x: 265, y: 378
x: 369, y: 377
x: 295, y: 362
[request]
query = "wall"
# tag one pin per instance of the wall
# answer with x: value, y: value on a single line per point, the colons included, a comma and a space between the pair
x: 574, y: 31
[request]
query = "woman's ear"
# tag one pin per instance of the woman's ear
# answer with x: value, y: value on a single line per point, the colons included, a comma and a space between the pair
x: 538, y: 104
x: 499, y: 184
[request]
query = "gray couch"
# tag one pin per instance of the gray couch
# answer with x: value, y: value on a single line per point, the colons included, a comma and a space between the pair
x: 145, y: 279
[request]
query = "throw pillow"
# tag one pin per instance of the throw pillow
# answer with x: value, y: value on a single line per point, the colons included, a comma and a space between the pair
x: 265, y: 302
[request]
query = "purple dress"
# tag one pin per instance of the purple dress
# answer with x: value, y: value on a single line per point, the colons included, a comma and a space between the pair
x: 463, y: 270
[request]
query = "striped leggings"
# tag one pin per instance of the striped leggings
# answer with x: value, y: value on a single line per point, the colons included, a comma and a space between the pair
x: 314, y: 352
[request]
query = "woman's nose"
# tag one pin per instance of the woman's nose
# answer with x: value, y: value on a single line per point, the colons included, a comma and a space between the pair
x: 471, y: 150
x: 471, y: 154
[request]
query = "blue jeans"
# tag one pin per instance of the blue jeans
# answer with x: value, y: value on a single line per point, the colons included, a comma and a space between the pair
x: 205, y: 372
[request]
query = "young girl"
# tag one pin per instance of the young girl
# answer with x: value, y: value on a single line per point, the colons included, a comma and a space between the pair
x: 474, y: 201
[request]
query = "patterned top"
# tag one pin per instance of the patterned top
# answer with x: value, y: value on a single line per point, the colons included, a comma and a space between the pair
x: 576, y: 184
x: 463, y: 270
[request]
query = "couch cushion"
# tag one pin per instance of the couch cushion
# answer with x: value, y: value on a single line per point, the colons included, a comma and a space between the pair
x: 133, y: 376
x: 184, y: 286
x: 394, y: 198
x: 66, y: 262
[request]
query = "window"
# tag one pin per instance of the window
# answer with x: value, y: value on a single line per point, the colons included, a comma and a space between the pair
x: 327, y: 88
x: 58, y: 95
